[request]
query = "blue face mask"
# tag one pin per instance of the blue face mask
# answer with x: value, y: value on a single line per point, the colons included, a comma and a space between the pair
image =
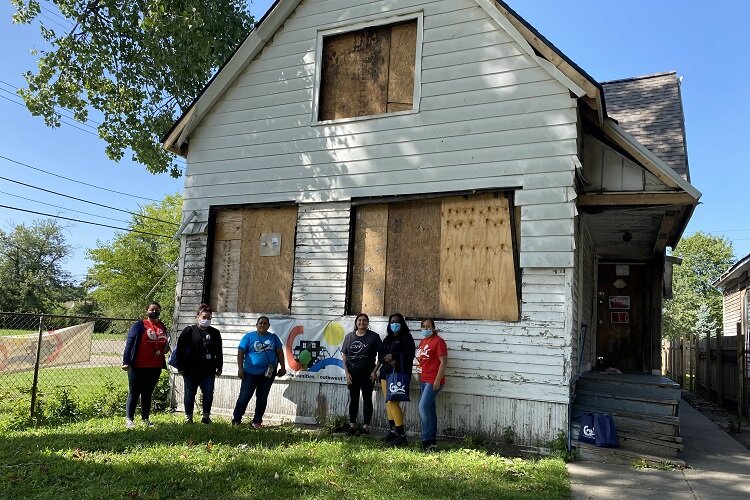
x: 395, y: 327
x: 426, y: 333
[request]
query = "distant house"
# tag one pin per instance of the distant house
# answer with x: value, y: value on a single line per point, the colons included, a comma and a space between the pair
x: 441, y: 159
x: 733, y: 285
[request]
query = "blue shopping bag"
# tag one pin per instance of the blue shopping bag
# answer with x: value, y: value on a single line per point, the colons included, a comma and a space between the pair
x: 605, y: 434
x: 587, y: 434
x: 397, y: 386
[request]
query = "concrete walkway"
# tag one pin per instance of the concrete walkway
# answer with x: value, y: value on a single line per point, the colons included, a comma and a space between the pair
x: 718, y: 467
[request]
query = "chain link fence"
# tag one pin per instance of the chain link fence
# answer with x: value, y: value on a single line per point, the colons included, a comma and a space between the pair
x: 55, y: 369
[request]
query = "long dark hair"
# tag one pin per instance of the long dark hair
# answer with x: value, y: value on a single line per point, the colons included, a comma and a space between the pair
x: 401, y: 320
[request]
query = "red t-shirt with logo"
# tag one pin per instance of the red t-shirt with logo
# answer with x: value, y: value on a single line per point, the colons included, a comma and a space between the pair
x: 428, y: 354
x: 150, y: 352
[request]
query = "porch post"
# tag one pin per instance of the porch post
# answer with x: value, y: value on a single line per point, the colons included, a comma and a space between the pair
x: 657, y: 272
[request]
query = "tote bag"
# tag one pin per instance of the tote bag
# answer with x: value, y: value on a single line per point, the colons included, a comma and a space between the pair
x: 397, y: 385
x: 587, y: 433
x: 605, y: 432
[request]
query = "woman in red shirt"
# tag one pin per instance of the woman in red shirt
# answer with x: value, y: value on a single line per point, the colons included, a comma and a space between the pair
x: 143, y: 359
x: 432, y: 356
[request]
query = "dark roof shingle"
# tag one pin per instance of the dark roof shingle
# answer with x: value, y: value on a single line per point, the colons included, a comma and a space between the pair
x: 650, y: 109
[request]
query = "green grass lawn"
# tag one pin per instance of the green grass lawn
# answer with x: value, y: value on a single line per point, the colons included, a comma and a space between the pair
x: 81, y: 380
x: 99, y: 458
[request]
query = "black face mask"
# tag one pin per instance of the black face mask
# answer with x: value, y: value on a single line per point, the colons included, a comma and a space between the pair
x: 153, y: 314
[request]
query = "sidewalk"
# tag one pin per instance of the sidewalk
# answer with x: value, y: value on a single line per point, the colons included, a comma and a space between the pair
x: 719, y: 467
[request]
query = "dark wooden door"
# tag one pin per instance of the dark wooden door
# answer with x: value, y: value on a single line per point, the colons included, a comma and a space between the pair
x: 621, y: 332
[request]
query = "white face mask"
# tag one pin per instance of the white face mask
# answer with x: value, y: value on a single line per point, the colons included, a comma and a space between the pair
x: 205, y: 323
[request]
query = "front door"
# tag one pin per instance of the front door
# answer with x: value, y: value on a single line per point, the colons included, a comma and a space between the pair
x: 621, y: 332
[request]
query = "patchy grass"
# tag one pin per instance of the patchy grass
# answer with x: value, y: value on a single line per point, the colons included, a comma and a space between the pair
x: 99, y: 458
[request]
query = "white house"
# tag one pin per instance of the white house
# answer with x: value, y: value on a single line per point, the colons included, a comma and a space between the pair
x: 442, y: 159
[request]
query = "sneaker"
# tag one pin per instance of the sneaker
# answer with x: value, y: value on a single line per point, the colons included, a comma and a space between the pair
x: 147, y: 422
x: 188, y: 419
x: 205, y: 420
x: 364, y: 431
x: 352, y: 431
x: 399, y: 440
x: 257, y: 425
x: 235, y: 423
x: 129, y: 424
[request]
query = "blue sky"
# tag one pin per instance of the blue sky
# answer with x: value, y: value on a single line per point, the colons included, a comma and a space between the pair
x: 705, y: 43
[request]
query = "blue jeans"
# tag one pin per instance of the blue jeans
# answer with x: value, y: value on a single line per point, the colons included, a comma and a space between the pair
x: 192, y: 382
x: 427, y: 411
x: 261, y: 386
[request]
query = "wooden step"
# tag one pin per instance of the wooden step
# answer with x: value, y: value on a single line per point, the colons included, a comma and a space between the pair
x: 637, y: 422
x: 622, y: 456
x: 621, y: 388
x: 613, y: 403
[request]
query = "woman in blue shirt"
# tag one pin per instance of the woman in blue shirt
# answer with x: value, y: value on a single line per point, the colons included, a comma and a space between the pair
x: 258, y: 355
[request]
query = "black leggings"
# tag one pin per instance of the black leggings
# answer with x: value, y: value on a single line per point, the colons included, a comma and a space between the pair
x: 141, y: 383
x: 361, y: 382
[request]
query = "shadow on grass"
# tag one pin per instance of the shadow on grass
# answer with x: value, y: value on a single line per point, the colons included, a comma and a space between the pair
x: 219, y: 461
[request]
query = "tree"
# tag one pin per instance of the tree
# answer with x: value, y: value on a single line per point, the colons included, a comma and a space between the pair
x: 31, y: 259
x: 127, y: 269
x: 704, y: 259
x: 140, y: 63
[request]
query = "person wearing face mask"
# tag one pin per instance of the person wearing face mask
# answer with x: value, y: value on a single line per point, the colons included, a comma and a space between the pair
x: 199, y: 361
x: 143, y: 359
x: 396, y: 355
x: 258, y: 355
x: 432, y: 356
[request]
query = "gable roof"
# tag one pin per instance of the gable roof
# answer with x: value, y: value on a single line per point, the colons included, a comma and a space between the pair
x: 536, y: 46
x: 735, y: 276
x: 650, y: 109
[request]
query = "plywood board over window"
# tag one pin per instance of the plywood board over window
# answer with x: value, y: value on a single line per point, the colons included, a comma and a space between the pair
x: 368, y: 72
x: 242, y: 280
x: 449, y: 257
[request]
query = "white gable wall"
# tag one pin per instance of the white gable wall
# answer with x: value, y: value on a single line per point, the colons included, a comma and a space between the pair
x: 489, y: 117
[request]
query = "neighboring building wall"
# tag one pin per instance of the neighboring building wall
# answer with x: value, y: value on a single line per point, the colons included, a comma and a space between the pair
x: 732, y: 312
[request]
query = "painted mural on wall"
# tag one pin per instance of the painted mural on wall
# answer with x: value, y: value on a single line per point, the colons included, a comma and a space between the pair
x: 312, y: 348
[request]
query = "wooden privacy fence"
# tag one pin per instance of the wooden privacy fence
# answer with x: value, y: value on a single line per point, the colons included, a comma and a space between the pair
x: 700, y: 365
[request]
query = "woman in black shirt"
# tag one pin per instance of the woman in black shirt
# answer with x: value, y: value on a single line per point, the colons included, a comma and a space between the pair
x: 359, y: 350
x: 199, y: 361
x: 395, y: 355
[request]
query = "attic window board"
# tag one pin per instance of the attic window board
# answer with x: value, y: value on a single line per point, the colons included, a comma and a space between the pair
x: 368, y: 71
x: 241, y: 279
x: 450, y: 257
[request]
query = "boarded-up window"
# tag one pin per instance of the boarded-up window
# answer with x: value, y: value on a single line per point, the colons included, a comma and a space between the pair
x: 243, y: 280
x: 368, y: 72
x: 448, y: 258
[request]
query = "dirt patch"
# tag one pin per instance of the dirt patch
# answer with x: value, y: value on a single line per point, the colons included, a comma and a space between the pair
x: 726, y: 419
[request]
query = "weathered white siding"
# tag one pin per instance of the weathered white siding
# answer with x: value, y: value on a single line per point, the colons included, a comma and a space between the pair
x: 499, y: 374
x: 321, y: 260
x: 489, y: 117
